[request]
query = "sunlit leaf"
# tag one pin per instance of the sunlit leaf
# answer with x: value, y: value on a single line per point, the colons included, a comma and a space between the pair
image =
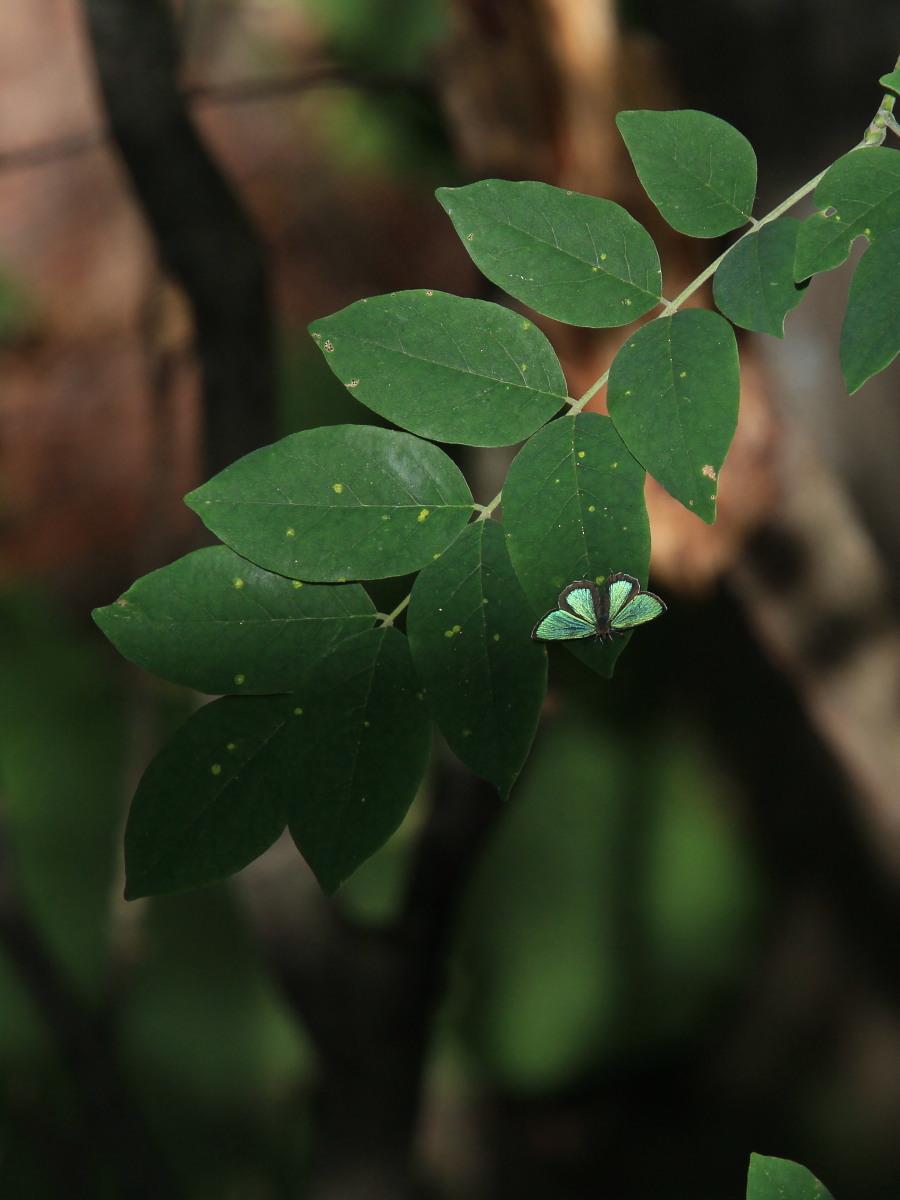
x: 444, y: 367
x: 781, y: 1179
x: 673, y: 394
x: 697, y: 169
x: 754, y: 286
x: 337, y: 503
x: 216, y: 622
x: 870, y: 335
x: 863, y: 190
x: 576, y: 258
x: 573, y: 508
x: 469, y: 628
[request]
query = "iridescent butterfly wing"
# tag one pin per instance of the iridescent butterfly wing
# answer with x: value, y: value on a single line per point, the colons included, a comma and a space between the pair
x: 581, y: 613
x: 628, y: 605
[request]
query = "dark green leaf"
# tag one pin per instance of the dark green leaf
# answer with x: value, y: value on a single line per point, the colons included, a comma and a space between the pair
x: 781, y: 1179
x: 469, y: 631
x: 572, y: 257
x: 447, y: 368
x: 870, y: 336
x: 754, y: 286
x: 673, y: 393
x: 697, y: 169
x: 338, y: 503
x: 339, y: 760
x: 215, y: 622
x: 573, y: 507
x: 863, y: 188
x: 362, y: 744
x: 211, y: 800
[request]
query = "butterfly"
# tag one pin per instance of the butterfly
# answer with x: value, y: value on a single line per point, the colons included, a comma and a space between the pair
x: 585, y: 610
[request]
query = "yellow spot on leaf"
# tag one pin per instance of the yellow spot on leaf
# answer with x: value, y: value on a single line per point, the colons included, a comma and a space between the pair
x: 603, y: 258
x: 239, y: 679
x: 366, y: 724
x: 682, y: 374
x: 231, y: 746
x: 484, y: 600
x: 614, y: 465
x: 496, y: 637
x: 298, y: 712
x: 338, y: 487
x: 216, y: 769
x: 581, y: 454
x: 592, y: 508
x: 298, y: 583
x: 238, y: 583
x: 423, y: 515
x: 289, y: 532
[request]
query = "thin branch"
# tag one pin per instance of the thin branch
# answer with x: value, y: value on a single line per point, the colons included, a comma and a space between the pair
x: 203, y: 234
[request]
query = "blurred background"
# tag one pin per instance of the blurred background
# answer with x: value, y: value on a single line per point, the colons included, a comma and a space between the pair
x: 682, y: 943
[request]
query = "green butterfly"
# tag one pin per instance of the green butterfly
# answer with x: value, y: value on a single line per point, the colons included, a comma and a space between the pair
x: 585, y: 610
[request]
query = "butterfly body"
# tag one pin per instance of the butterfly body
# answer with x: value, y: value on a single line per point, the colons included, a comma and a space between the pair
x: 586, y: 610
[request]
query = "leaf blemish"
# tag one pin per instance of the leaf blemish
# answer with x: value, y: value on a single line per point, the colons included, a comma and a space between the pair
x: 352, y: 384
x: 238, y: 583
x: 328, y: 346
x: 289, y: 532
x: 708, y: 472
x: 216, y: 769
x: 298, y: 712
x: 423, y: 515
x: 581, y: 454
x: 239, y: 679
x: 298, y: 583
x: 338, y: 487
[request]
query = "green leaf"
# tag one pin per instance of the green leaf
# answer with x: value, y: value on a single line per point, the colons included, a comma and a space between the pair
x: 211, y: 800
x: 337, y: 503
x: 339, y: 760
x: 781, y: 1179
x: 363, y: 739
x: 891, y: 81
x: 870, y: 335
x: 697, y: 169
x: 576, y: 258
x: 863, y: 188
x: 215, y: 622
x: 754, y: 286
x: 673, y: 394
x: 573, y: 507
x: 469, y: 629
x: 447, y: 368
